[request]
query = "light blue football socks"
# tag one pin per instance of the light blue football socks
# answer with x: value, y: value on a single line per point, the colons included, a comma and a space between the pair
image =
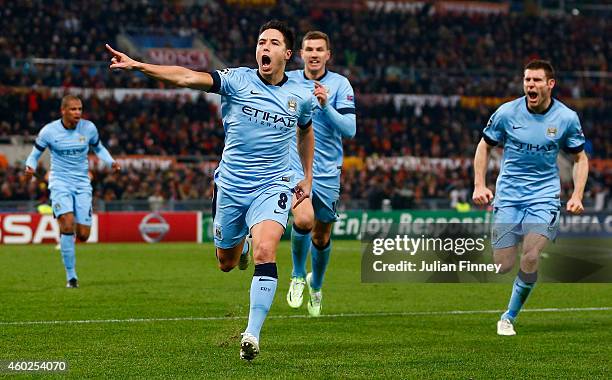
x: 263, y: 288
x: 320, y: 260
x: 300, y: 244
x: 68, y: 255
x: 522, y: 287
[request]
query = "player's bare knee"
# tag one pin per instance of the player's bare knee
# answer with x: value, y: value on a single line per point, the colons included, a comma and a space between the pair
x: 264, y: 252
x: 530, y: 259
x: 499, y: 259
x: 321, y: 234
x: 227, y: 265
x: 67, y: 228
x: 82, y: 232
x: 320, y: 240
x: 506, y: 262
x: 304, y: 221
x: 534, y: 252
x: 225, y: 262
x: 82, y: 236
x: 66, y: 223
x: 505, y: 267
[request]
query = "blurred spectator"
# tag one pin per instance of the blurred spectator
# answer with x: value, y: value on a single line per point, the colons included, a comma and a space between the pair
x: 420, y: 52
x: 380, y: 51
x: 402, y: 188
x: 182, y: 126
x: 156, y: 200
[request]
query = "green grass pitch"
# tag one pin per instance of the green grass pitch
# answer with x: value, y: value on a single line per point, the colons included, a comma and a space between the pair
x: 166, y: 311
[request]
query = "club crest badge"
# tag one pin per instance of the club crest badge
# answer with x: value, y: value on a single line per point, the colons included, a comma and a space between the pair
x: 292, y: 104
x: 551, y: 132
x: 218, y: 231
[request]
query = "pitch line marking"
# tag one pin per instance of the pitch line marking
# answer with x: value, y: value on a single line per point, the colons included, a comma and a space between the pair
x: 302, y: 316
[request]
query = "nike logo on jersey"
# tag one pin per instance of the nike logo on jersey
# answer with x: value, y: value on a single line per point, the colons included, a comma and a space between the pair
x: 278, y: 212
x: 515, y: 127
x: 255, y: 93
x: 265, y: 279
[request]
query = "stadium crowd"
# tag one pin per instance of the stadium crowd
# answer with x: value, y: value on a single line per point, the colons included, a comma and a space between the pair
x: 459, y: 55
x: 180, y: 126
x: 402, y: 187
x: 477, y: 54
x: 185, y: 126
x: 178, y: 182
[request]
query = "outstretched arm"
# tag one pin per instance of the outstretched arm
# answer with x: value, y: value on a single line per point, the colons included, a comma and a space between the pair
x: 176, y: 75
x: 581, y: 172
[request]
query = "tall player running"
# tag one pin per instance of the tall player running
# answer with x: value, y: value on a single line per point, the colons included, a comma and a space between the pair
x: 68, y: 140
x: 532, y: 129
x: 261, y: 109
x: 333, y: 119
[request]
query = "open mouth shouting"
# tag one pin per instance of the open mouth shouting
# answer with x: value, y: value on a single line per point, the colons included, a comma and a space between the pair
x: 532, y: 95
x: 266, y: 62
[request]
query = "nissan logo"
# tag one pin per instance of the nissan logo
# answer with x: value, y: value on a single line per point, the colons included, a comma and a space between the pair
x: 153, y: 228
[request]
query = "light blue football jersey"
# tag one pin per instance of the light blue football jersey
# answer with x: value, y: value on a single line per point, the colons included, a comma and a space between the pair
x: 260, y: 121
x: 328, y: 140
x: 69, y: 149
x: 531, y: 143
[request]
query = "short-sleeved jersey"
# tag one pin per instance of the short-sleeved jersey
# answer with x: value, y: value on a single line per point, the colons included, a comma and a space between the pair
x: 531, y: 143
x: 260, y: 121
x: 328, y: 140
x: 69, y: 149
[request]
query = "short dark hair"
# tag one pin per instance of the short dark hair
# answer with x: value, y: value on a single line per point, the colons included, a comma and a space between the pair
x: 69, y: 98
x: 317, y: 35
x: 281, y: 27
x: 538, y: 64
